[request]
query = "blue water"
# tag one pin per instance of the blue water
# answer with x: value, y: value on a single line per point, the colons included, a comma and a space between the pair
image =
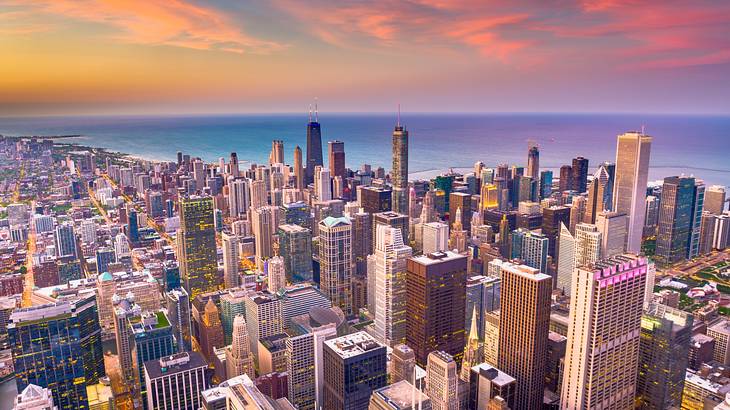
x: 697, y: 145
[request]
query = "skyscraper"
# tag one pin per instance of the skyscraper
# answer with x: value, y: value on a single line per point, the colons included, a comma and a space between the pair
x: 715, y: 199
x: 277, y: 152
x: 65, y: 240
x: 390, y: 285
x: 613, y: 228
x: 239, y: 359
x: 629, y: 191
x: 211, y: 330
x: 230, y: 260
x: 524, y: 321
x: 531, y: 248
x: 675, y: 220
x: 322, y: 184
x: 603, y: 336
x: 666, y: 334
x: 394, y: 220
x: 178, y: 312
x: 596, y: 195
x: 587, y: 244
x: 276, y: 273
x: 335, y: 260
x: 298, y: 169
x: 354, y: 366
x: 337, y: 158
x: 552, y: 217
x: 442, y: 381
x: 262, y: 222
x: 295, y: 246
x: 566, y: 259
x: 263, y: 318
x: 435, y: 237
x: 693, y: 245
x: 580, y: 174
x: 175, y: 382
x: 460, y: 200
x: 399, y: 175
x: 546, y: 184
x: 436, y: 293
x: 533, y: 161
x: 314, y: 146
x: 58, y: 346
x: 566, y: 178
x: 197, y: 247
x: 458, y: 237
x: 238, y: 197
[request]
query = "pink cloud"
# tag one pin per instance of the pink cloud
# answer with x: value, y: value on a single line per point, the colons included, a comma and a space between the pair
x: 157, y: 22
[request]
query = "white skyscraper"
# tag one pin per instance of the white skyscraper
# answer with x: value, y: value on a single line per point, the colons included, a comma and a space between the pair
x: 238, y: 196
x: 276, y: 273
x: 603, y: 334
x: 391, y: 256
x: 230, y: 260
x: 613, y: 228
x: 322, y: 185
x: 262, y: 221
x: 259, y: 197
x: 435, y: 237
x: 566, y: 259
x: 239, y: 359
x: 263, y: 318
x: 629, y: 190
x: 587, y: 244
x: 336, y: 262
x: 442, y: 381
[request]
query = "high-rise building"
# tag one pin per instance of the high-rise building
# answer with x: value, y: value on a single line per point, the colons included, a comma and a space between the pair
x: 239, y: 359
x: 337, y: 158
x: 263, y: 318
x: 566, y: 259
x: 197, y: 247
x: 210, y: 330
x: 262, y: 222
x: 442, y: 381
x: 305, y: 363
x: 125, y: 308
x: 604, y: 332
x: 533, y: 161
x: 238, y: 197
x: 460, y: 200
x: 473, y: 353
x: 587, y: 244
x: 65, y: 240
x: 436, y: 295
x: 552, y: 217
x: 178, y: 312
x: 566, y: 178
x: 435, y: 237
x: 391, y: 257
x: 277, y: 152
x: 322, y: 184
x: 58, y: 346
x: 336, y: 261
x: 295, y: 246
x: 314, y: 146
x: 402, y: 363
x: 693, y: 246
x: 176, y: 381
x: 524, y: 321
x: 715, y: 199
x: 354, y: 366
x: 629, y: 191
x: 596, y: 195
x: 230, y: 260
x: 531, y: 248
x: 395, y: 220
x: 546, y: 184
x: 34, y: 398
x: 614, y: 229
x: 400, y: 395
x: 298, y: 169
x: 580, y: 174
x: 276, y: 273
x: 487, y: 383
x: 458, y: 237
x: 675, y: 219
x: 666, y: 334
x: 399, y: 175
x: 482, y: 295
x: 152, y: 339
x: 259, y: 195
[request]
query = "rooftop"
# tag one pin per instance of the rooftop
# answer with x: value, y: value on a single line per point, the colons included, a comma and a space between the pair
x: 437, y: 257
x: 176, y: 363
x: 400, y: 395
x: 352, y: 345
x: 492, y: 373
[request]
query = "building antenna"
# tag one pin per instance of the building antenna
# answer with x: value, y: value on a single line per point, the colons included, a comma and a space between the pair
x: 316, y: 113
x: 642, y: 129
x: 398, y: 115
x: 310, y: 112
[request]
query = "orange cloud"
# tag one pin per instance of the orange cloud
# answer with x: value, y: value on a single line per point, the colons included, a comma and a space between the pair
x: 157, y: 22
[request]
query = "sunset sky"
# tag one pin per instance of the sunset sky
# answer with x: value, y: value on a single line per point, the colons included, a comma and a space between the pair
x: 185, y: 56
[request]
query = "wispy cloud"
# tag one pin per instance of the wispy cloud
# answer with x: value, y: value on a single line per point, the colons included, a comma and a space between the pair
x: 156, y: 22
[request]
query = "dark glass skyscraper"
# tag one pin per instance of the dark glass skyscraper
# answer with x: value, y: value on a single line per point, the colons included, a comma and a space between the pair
x: 197, y: 247
x: 314, y: 146
x: 337, y: 158
x: 675, y: 219
x: 58, y: 346
x: 400, y: 168
x: 580, y: 174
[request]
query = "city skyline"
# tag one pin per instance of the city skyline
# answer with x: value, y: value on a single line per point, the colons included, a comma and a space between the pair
x: 432, y: 56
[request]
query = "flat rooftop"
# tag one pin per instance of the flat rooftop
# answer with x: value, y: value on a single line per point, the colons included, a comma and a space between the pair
x: 352, y: 345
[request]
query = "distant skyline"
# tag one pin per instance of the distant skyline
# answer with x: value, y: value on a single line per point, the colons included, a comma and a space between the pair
x: 104, y: 57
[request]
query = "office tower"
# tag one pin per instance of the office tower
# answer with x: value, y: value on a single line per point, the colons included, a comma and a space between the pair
x: 298, y: 169
x: 587, y: 244
x: 394, y: 220
x: 314, y: 146
x: 715, y: 199
x: 489, y: 196
x: 263, y: 317
x: 335, y: 261
x: 295, y: 246
x: 603, y: 336
x: 197, y: 247
x: 391, y: 257
x: 533, y: 161
x: 720, y: 331
x: 524, y: 320
x: 277, y: 152
x: 566, y: 259
x: 354, y: 366
x: 362, y: 239
x: 675, y: 220
x: 305, y: 364
x: 239, y: 359
x: 596, y: 195
x: 152, y: 339
x: 65, y: 240
x: 577, y: 211
x: 651, y: 217
x: 629, y: 192
x: 482, y: 295
x: 707, y: 230
x: 125, y: 308
x: 403, y: 363
x: 178, y: 312
x: 458, y: 237
x: 337, y: 158
x: 233, y: 165
x: 230, y: 260
x: 262, y: 222
x: 199, y: 174
x: 666, y: 334
x: 176, y: 381
x: 552, y: 217
x: 566, y: 178
x: 435, y: 237
x: 473, y: 350
x: 614, y: 230
x: 546, y: 184
x: 57, y: 346
x: 721, y: 235
x: 436, y: 295
x: 399, y: 175
x: 211, y: 330
x: 104, y: 257
x: 460, y: 200
x: 374, y: 199
x: 580, y: 174
x: 401, y: 395
x: 238, y: 197
x: 34, y: 398
x: 693, y: 246
x: 505, y: 236
x: 487, y: 383
x: 322, y: 184
x: 276, y: 273
x: 259, y: 196
x: 428, y: 211
x: 442, y: 381
x: 531, y: 248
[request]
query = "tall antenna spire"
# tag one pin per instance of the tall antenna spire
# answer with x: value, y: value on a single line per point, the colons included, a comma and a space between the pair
x: 316, y: 114
x: 398, y: 115
x: 310, y: 112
